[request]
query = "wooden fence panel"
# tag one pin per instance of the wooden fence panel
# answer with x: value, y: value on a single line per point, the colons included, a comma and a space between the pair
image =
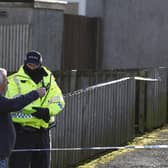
x: 95, y: 116
x: 81, y: 39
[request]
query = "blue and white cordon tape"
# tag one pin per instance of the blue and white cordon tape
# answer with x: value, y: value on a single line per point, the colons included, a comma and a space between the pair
x: 94, y: 148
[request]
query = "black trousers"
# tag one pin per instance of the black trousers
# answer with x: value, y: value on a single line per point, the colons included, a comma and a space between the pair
x: 30, y: 139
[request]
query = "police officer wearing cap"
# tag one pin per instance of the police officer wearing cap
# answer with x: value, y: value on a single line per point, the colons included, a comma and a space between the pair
x: 33, y: 121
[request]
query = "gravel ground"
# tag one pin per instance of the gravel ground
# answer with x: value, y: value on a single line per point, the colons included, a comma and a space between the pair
x: 137, y: 158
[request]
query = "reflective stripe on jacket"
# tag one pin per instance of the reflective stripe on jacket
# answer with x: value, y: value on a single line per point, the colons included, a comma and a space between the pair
x: 21, y: 83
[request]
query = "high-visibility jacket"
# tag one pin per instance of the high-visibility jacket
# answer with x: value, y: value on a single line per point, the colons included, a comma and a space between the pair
x: 21, y: 83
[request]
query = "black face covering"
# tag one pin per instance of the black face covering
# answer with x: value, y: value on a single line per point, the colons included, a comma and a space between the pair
x: 36, y: 75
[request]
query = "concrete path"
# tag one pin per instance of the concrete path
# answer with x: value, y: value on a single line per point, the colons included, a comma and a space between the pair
x: 137, y: 158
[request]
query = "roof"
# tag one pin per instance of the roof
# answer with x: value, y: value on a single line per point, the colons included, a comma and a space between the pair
x: 28, y: 1
x: 50, y: 4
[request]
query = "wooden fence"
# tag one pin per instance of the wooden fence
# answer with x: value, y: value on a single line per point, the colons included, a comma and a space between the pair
x: 109, y: 115
x: 81, y: 42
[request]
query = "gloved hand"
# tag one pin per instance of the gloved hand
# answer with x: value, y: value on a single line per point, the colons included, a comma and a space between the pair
x: 42, y: 113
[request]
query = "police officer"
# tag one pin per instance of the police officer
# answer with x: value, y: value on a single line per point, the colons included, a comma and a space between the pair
x: 33, y: 121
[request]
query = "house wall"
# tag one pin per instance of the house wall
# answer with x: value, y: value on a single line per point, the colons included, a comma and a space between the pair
x: 134, y: 32
x: 95, y: 8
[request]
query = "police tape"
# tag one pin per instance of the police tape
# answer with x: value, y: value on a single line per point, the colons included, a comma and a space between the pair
x: 94, y: 148
x: 124, y: 79
x: 147, y: 79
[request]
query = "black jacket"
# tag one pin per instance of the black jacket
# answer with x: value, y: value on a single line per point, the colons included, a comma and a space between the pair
x: 7, y: 131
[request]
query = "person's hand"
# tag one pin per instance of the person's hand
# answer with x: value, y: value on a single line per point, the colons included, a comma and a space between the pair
x: 42, y: 113
x: 41, y: 91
